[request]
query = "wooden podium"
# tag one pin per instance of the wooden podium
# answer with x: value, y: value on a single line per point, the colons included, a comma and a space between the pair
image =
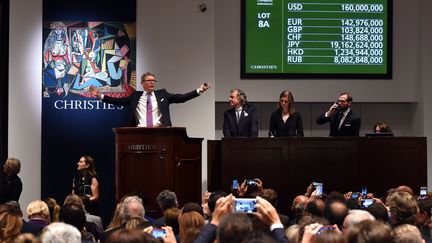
x: 153, y: 159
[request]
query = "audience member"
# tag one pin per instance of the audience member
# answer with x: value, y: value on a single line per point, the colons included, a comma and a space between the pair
x: 10, y: 226
x: 38, y: 213
x: 27, y: 238
x: 191, y: 224
x: 379, y: 211
x: 424, y: 221
x: 93, y: 222
x: 308, y: 220
x: 272, y: 197
x: 370, y: 231
x: 213, y: 197
x: 286, y: 121
x: 131, y: 207
x: 405, y: 188
x: 407, y: 233
x: 297, y: 208
x: 250, y: 188
x: 165, y: 200
x: 172, y: 219
x: 131, y: 236
x: 10, y: 183
x: 356, y: 216
x: 403, y: 208
x: 343, y: 120
x: 292, y: 233
x: 315, y: 206
x: 134, y: 222
x: 192, y: 207
x: 53, y: 208
x: 74, y: 215
x: 116, y: 220
x: 87, y: 183
x: 242, y: 119
x: 234, y: 228
x: 59, y: 232
x: 14, y: 208
x: 335, y: 212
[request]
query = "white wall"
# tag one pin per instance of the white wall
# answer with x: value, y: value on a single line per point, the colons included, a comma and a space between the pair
x: 25, y: 82
x: 184, y: 47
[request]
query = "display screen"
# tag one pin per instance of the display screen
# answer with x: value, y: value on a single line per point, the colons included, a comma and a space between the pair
x: 316, y: 39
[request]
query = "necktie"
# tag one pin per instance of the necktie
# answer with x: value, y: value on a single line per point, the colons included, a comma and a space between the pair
x: 149, y: 111
x: 238, y: 114
x: 340, y: 119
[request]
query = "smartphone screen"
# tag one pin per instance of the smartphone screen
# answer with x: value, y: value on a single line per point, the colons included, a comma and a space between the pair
x: 158, y: 233
x: 423, y: 192
x: 319, y: 189
x: 366, y: 203
x: 235, y: 184
x: 245, y: 205
x: 355, y: 195
x: 364, y: 191
x: 325, y: 228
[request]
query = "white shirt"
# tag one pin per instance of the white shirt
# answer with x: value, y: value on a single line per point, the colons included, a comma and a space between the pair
x: 141, y: 111
x: 344, y: 114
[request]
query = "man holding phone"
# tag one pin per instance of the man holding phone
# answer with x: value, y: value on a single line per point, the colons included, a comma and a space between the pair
x: 343, y: 120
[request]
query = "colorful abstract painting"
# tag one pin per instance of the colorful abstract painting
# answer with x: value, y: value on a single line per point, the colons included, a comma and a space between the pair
x: 79, y: 55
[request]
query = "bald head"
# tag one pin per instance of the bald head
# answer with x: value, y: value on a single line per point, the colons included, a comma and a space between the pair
x: 405, y: 188
x: 299, y: 201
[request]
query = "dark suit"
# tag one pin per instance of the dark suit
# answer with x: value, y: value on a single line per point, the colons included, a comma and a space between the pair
x: 248, y: 125
x: 293, y: 127
x: 164, y: 99
x: 349, y: 127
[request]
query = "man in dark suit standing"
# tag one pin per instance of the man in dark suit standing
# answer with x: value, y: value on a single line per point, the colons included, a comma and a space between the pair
x: 343, y: 120
x: 242, y: 119
x: 151, y: 107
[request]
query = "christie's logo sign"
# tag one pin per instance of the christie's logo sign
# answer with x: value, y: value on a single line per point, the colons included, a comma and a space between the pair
x: 140, y: 147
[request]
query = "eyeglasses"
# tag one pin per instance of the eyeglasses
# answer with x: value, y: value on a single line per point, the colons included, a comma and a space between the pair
x: 342, y: 101
x: 150, y: 81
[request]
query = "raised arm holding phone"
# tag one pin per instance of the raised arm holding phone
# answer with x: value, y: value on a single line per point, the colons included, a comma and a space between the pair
x: 343, y: 120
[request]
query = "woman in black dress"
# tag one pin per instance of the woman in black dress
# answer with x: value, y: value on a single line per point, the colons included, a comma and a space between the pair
x: 286, y: 121
x: 86, y: 182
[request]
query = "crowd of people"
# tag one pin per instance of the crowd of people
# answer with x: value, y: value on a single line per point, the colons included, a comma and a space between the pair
x: 249, y: 214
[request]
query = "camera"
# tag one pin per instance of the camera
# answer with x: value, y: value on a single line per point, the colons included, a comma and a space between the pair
x: 158, y: 233
x: 366, y: 203
x: 245, y: 205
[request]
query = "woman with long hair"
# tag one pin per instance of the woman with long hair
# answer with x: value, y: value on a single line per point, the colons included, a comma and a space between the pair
x: 286, y: 121
x: 86, y: 182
